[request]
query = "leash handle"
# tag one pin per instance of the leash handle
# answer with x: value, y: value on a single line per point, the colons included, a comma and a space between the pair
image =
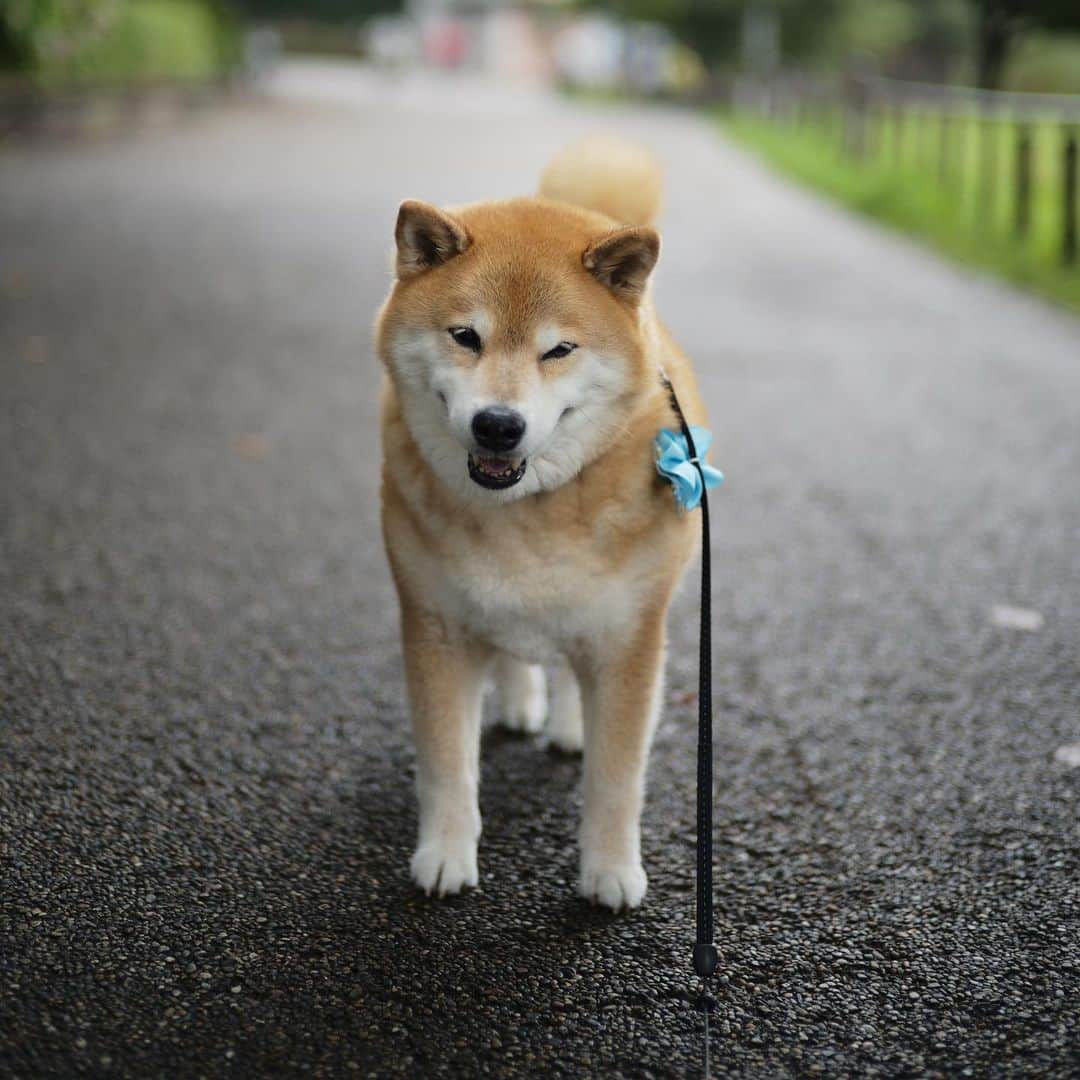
x: 705, y: 956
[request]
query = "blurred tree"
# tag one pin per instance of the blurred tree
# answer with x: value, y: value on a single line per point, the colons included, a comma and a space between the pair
x: 908, y: 39
x: 57, y: 41
x: 1000, y: 23
x: 32, y: 31
x: 317, y: 10
x: 921, y: 39
x: 940, y: 43
x: 711, y: 27
x: 717, y: 28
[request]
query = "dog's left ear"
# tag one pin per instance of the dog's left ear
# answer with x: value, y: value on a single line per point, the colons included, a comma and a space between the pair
x: 623, y: 260
x: 426, y: 238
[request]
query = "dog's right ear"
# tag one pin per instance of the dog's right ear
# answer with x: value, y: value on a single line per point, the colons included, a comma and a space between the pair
x: 426, y: 238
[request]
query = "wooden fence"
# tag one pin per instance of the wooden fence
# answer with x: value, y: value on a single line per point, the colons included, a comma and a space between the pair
x: 977, y: 141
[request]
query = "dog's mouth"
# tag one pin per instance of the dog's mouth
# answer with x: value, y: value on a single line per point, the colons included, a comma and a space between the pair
x: 496, y: 473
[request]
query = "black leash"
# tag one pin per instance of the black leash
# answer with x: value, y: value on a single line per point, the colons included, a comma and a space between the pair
x: 705, y: 957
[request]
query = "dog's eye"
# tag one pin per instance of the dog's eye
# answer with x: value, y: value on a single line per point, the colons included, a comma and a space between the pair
x: 466, y: 337
x: 564, y: 348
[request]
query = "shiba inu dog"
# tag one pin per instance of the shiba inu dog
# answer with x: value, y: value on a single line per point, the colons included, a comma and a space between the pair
x: 523, y: 516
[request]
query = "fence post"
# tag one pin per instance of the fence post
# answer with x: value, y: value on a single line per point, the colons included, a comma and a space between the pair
x: 943, y: 149
x: 1068, y: 238
x: 987, y: 166
x: 1023, y: 179
x: 855, y: 110
x: 925, y: 118
x: 970, y: 154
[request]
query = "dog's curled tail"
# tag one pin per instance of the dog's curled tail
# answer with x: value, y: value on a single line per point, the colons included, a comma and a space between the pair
x: 609, y: 174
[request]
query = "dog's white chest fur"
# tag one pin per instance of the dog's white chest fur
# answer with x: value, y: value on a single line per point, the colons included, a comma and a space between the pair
x: 533, y: 607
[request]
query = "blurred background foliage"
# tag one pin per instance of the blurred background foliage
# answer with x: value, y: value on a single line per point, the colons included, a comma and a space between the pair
x: 955, y: 175
x: 1029, y: 45
x: 62, y: 42
x: 991, y: 43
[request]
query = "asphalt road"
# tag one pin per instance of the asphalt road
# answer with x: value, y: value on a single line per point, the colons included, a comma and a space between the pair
x: 205, y: 770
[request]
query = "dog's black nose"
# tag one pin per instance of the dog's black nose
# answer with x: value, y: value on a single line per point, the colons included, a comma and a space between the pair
x: 498, y: 428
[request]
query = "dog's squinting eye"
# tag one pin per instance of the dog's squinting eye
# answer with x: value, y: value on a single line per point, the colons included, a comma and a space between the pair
x: 564, y: 348
x: 466, y: 337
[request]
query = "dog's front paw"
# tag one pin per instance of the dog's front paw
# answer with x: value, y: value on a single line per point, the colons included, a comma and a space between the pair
x: 614, y: 885
x: 445, y: 865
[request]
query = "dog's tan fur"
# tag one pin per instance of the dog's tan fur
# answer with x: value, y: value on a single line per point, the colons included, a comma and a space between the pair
x: 576, y: 568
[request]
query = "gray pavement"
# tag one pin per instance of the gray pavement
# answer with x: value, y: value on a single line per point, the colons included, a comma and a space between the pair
x: 205, y: 769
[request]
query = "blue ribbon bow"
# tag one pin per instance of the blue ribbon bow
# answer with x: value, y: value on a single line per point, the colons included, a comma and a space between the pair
x: 674, y: 464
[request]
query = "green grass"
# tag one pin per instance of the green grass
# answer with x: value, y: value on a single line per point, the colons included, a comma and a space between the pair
x: 965, y: 208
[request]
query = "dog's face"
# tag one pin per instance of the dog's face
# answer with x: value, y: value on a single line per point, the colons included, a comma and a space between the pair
x: 513, y: 339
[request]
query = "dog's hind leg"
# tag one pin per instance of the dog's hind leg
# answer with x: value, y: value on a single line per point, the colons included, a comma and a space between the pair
x: 522, y: 694
x: 564, y: 728
x: 445, y: 672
